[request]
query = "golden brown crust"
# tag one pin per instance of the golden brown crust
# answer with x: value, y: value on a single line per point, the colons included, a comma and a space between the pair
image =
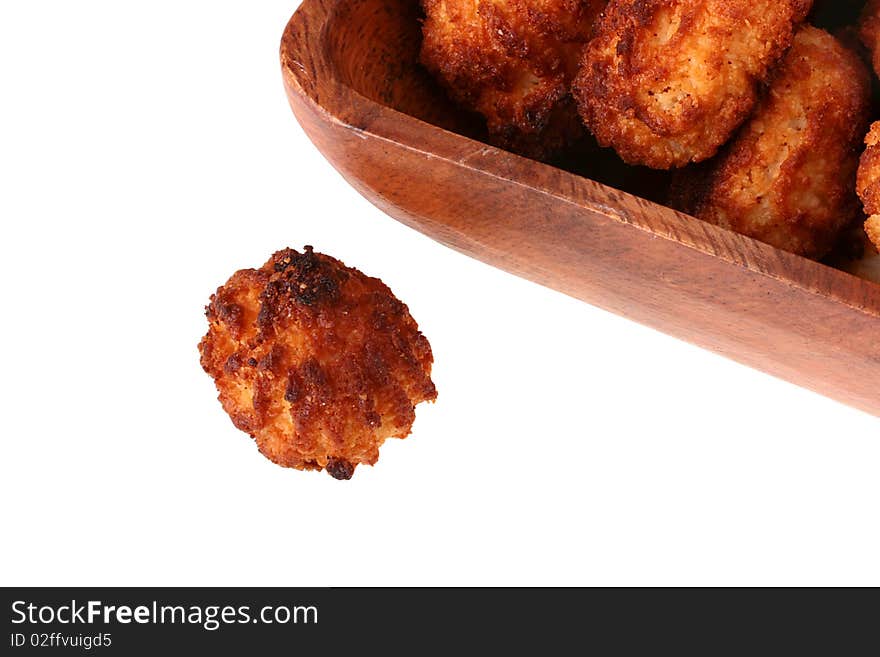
x: 316, y: 361
x: 788, y: 178
x: 868, y: 183
x: 872, y: 228
x: 667, y: 82
x: 511, y: 61
x: 869, y: 31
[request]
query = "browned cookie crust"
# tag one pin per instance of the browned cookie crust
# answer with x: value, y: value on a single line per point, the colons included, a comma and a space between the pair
x: 788, y: 179
x: 667, y: 82
x: 316, y: 361
x: 868, y: 183
x: 512, y: 61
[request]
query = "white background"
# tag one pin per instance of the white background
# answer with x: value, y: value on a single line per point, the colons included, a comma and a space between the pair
x: 146, y: 152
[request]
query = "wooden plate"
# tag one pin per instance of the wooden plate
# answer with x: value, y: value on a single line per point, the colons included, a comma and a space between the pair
x: 351, y: 76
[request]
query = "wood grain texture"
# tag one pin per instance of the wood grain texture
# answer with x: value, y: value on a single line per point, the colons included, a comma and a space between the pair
x: 352, y: 81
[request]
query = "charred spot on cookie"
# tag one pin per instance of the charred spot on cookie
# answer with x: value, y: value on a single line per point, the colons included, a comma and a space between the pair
x: 373, y: 419
x: 283, y: 259
x: 310, y: 279
x: 307, y: 381
x: 309, y: 295
x: 298, y: 279
x: 271, y: 300
x: 313, y: 285
x: 312, y: 374
x: 228, y: 313
x: 340, y: 469
x: 233, y: 364
x: 273, y: 359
